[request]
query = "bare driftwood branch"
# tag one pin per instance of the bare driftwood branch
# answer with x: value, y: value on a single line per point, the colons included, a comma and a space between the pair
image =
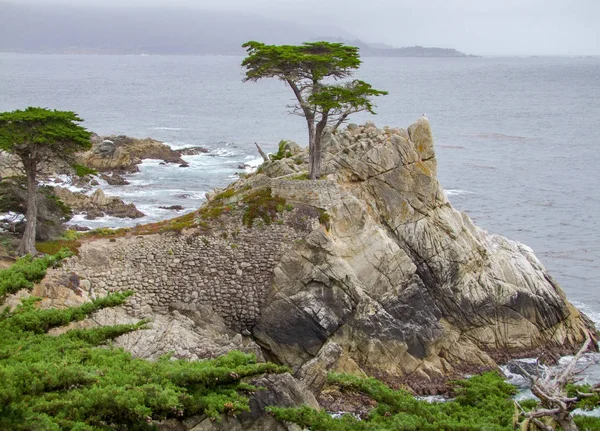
x: 262, y: 153
x: 568, y: 372
x: 549, y: 387
x: 542, y: 425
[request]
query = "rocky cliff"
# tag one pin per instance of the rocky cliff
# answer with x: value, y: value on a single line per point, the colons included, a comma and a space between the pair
x: 369, y: 271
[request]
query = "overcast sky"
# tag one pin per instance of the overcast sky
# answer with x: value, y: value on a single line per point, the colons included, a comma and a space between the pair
x: 494, y: 27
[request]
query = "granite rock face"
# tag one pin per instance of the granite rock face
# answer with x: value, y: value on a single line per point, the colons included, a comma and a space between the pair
x: 372, y: 272
x: 405, y: 284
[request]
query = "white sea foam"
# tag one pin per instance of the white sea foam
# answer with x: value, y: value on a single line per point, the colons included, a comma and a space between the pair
x: 167, y: 128
x: 513, y: 378
x: 106, y: 221
x: 12, y: 217
x: 457, y: 192
x: 222, y: 152
x: 589, y: 311
x: 63, y: 181
x: 253, y: 164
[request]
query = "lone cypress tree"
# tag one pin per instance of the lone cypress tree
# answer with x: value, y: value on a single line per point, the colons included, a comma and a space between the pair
x: 311, y: 70
x: 38, y: 136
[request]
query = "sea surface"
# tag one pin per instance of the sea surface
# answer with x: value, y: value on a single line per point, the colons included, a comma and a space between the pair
x: 517, y: 139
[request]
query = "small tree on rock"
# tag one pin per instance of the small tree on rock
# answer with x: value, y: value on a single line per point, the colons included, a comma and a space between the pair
x: 312, y: 70
x: 38, y: 136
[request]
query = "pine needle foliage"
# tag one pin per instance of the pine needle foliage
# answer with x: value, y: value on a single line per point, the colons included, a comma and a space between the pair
x: 78, y: 381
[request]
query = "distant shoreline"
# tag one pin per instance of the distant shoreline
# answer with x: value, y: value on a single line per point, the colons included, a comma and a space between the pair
x: 366, y: 54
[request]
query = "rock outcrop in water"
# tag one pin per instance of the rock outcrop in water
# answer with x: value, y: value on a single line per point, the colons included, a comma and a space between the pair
x: 405, y: 284
x: 372, y: 272
x: 123, y: 153
x: 97, y: 204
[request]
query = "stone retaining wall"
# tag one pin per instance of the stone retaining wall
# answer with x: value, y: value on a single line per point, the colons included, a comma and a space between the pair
x: 230, y: 273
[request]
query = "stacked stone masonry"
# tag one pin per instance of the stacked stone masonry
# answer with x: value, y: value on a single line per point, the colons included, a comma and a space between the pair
x: 230, y: 273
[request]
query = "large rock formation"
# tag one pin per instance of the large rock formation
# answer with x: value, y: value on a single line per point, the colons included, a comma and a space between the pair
x: 373, y: 272
x: 123, y: 153
x: 97, y: 204
x: 402, y: 282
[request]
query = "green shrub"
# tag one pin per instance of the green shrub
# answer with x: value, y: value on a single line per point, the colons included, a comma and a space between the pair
x: 483, y: 404
x: 26, y: 271
x: 281, y: 153
x: 70, y: 235
x: 77, y: 381
x: 587, y: 423
x: 261, y: 204
x: 325, y: 219
x: 82, y: 171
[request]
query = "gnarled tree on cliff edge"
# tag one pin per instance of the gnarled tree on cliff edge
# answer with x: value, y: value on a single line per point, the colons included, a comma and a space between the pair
x: 37, y: 136
x: 305, y: 68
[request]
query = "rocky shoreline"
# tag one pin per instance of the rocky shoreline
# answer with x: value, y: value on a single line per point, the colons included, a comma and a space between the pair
x: 368, y: 271
x: 112, y: 158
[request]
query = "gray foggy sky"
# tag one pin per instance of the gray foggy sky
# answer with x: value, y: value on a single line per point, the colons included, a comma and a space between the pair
x: 498, y: 27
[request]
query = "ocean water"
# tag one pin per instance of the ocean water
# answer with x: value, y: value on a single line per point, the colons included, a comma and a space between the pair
x: 517, y: 139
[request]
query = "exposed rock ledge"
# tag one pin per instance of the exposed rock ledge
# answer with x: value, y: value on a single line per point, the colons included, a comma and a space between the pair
x: 97, y: 205
x: 400, y: 285
x: 123, y: 153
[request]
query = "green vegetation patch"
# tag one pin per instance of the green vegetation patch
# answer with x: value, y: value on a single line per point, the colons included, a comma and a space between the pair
x: 82, y: 171
x: 262, y: 204
x: 78, y: 381
x: 26, y: 271
x: 54, y: 247
x: 482, y: 403
x: 174, y: 225
x: 282, y: 153
x: 300, y: 177
x: 325, y: 219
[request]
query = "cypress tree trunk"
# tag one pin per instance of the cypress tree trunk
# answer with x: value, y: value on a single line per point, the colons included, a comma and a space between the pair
x: 314, y: 159
x: 28, y: 241
x: 315, y: 151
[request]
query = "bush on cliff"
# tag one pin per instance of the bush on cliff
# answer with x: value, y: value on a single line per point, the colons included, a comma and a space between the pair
x: 77, y: 380
x: 26, y: 271
x: 482, y: 403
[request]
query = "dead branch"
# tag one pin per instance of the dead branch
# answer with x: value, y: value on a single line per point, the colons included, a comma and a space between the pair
x: 563, y: 379
x: 542, y: 425
x: 262, y: 153
x: 550, y: 389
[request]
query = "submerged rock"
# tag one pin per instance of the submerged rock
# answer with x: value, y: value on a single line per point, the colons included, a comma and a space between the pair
x: 114, y: 179
x: 192, y: 151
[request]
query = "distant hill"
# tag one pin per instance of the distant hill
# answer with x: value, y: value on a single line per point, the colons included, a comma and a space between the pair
x: 73, y: 29
x: 383, y: 50
x: 92, y: 30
